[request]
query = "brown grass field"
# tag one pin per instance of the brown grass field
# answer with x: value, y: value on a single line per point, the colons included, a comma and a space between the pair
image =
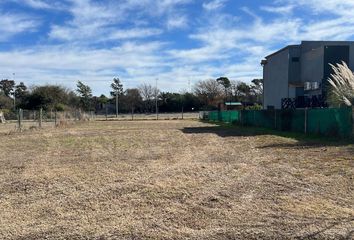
x: 173, y: 180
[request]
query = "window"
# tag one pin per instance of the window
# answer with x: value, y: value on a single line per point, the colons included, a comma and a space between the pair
x: 295, y: 59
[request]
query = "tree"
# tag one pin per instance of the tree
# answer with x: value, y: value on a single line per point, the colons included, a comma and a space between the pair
x: 20, y: 90
x: 100, y: 102
x: 209, y: 92
x: 148, y: 93
x: 5, y: 102
x: 85, y: 94
x: 341, y: 83
x: 116, y: 86
x: 133, y: 99
x: 244, y: 91
x: 48, y: 97
x: 191, y: 102
x: 171, y: 102
x: 20, y: 93
x: 257, y: 89
x: 226, y: 84
x: 103, y: 99
x: 7, y: 87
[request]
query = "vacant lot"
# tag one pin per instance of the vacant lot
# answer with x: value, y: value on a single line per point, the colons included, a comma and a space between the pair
x: 173, y: 180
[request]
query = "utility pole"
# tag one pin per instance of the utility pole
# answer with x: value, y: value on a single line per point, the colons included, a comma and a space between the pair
x: 157, y: 111
x: 117, y: 105
x: 14, y: 93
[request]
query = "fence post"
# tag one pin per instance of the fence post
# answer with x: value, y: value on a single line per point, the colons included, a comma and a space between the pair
x: 19, y: 118
x: 55, y: 118
x: 275, y: 119
x: 106, y: 111
x: 305, y: 124
x: 40, y: 117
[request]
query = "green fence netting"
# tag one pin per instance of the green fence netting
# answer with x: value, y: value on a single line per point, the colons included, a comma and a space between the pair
x: 214, y: 116
x: 224, y: 116
x: 337, y: 122
x: 329, y: 121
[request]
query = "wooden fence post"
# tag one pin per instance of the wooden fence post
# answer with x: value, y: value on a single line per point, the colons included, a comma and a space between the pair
x: 55, y: 118
x: 40, y: 117
x: 19, y: 118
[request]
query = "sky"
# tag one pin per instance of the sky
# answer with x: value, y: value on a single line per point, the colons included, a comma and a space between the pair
x: 178, y: 42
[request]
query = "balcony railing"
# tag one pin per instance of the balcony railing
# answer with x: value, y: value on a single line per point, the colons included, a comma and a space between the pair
x: 304, y: 102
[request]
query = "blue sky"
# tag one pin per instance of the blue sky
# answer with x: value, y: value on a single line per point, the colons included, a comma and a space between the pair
x: 176, y: 41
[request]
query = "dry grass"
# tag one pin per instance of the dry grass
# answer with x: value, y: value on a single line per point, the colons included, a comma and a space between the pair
x: 342, y: 85
x: 172, y: 180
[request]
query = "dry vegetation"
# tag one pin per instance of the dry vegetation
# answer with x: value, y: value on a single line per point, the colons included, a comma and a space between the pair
x: 173, y: 180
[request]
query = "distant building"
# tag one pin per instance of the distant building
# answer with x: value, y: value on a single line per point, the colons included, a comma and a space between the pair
x: 233, y: 106
x: 296, y: 76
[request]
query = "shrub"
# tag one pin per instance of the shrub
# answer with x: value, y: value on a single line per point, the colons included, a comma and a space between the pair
x: 342, y: 85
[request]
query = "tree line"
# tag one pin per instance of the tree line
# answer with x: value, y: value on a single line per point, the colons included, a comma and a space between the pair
x: 206, y: 95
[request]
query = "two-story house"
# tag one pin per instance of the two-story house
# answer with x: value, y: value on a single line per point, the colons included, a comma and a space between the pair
x: 296, y: 76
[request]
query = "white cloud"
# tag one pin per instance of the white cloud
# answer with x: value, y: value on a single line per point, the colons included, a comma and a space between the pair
x: 37, y: 4
x: 285, y: 10
x: 95, y: 21
x: 134, y: 33
x: 64, y: 64
x: 12, y: 24
x: 328, y: 7
x: 42, y: 4
x: 177, y: 22
x: 213, y: 5
x: 100, y: 40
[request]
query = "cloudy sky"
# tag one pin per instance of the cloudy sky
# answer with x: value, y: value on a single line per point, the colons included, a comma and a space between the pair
x: 176, y: 41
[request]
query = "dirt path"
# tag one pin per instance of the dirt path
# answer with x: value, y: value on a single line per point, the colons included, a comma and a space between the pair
x: 173, y: 180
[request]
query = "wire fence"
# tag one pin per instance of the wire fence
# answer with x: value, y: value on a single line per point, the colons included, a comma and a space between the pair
x: 23, y: 119
x: 149, y: 116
